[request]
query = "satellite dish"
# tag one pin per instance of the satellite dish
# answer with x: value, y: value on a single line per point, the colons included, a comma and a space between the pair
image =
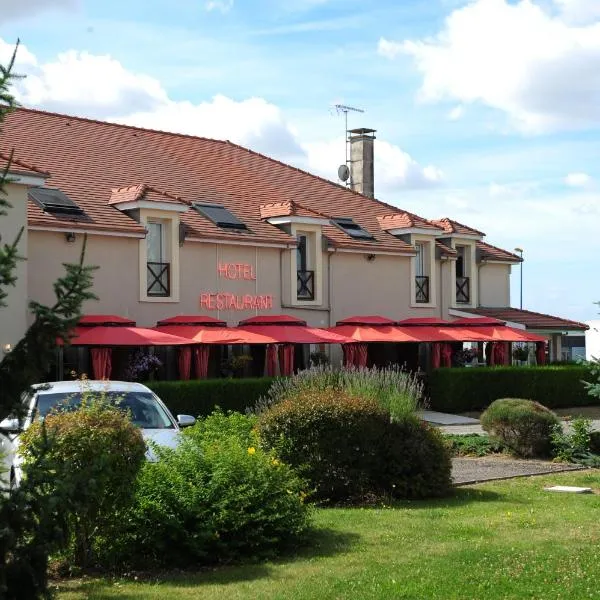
x: 343, y: 172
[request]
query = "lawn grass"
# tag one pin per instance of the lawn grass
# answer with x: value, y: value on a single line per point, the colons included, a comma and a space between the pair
x: 499, y: 540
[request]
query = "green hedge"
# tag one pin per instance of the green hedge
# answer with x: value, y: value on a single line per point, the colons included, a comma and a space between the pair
x: 464, y: 389
x: 200, y: 396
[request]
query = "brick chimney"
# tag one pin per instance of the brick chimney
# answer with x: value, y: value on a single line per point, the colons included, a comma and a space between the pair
x: 362, y: 173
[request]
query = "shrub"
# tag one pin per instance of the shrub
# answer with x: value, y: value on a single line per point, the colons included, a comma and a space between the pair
x: 464, y: 389
x: 524, y: 426
x: 218, y: 496
x: 199, y: 397
x: 397, y: 391
x: 472, y: 444
x: 348, y: 448
x: 94, y: 455
x: 575, y: 445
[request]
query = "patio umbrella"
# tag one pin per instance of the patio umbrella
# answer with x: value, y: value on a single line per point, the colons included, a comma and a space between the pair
x: 182, y: 320
x: 126, y: 336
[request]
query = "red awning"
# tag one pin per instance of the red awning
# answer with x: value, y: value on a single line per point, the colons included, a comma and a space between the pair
x: 422, y: 322
x: 106, y: 320
x: 200, y: 334
x: 88, y: 321
x: 181, y: 320
x: 373, y: 320
x: 269, y: 320
x: 285, y: 334
x: 384, y: 333
x: 126, y: 336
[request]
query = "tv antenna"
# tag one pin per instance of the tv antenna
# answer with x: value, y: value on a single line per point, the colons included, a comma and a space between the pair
x: 344, y: 171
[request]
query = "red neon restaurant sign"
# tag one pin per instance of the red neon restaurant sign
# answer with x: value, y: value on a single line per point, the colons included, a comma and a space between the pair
x: 229, y: 301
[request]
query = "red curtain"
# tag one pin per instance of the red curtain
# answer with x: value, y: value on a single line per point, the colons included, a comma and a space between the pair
x: 184, y: 362
x: 436, y: 355
x: 540, y: 353
x: 271, y: 359
x: 201, y: 360
x: 499, y: 353
x: 446, y: 351
x: 349, y: 351
x: 286, y: 359
x: 360, y: 355
x: 101, y: 362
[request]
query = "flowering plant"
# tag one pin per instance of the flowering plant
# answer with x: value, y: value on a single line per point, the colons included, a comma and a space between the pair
x: 141, y: 365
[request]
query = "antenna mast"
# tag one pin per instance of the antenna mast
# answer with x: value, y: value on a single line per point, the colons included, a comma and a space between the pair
x: 342, y: 108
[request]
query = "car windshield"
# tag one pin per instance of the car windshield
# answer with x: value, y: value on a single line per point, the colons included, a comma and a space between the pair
x: 144, y: 410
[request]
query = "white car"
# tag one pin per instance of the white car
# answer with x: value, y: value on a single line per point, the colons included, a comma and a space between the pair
x: 146, y: 409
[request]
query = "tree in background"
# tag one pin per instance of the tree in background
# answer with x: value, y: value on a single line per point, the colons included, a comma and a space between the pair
x: 29, y: 520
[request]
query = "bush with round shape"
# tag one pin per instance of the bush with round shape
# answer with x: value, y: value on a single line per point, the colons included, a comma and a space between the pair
x: 94, y: 454
x: 523, y: 426
x: 348, y: 448
x: 219, y: 496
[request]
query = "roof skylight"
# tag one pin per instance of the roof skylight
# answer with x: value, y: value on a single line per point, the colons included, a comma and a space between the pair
x: 220, y: 216
x: 353, y: 229
x: 54, y: 201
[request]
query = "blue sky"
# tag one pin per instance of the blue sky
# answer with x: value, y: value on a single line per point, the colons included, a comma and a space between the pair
x: 487, y: 111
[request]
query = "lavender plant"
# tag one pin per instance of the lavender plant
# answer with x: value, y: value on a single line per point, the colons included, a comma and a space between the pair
x: 399, y: 391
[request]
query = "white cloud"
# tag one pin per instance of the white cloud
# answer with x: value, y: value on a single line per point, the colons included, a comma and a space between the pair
x: 579, y: 11
x: 87, y: 84
x: 394, y: 169
x: 253, y: 122
x: 456, y: 113
x: 223, y: 6
x: 578, y: 179
x: 15, y: 9
x: 101, y: 87
x: 536, y: 67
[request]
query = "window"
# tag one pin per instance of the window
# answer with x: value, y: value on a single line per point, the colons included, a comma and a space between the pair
x: 463, y: 292
x: 421, y: 277
x: 220, y: 216
x: 301, y: 253
x: 158, y: 267
x: 54, y: 201
x: 305, y: 277
x: 353, y: 229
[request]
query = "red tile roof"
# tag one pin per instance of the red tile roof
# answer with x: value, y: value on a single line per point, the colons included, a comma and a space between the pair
x: 451, y: 226
x: 531, y: 320
x: 406, y: 220
x: 490, y: 252
x: 18, y: 166
x: 288, y: 209
x: 141, y: 191
x: 96, y: 157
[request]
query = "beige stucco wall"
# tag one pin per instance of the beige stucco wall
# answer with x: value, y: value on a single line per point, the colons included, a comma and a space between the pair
x: 115, y: 282
x: 357, y: 286
x: 13, y: 317
x: 494, y: 285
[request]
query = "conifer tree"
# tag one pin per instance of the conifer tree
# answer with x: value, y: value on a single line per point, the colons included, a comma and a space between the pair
x: 30, y: 520
x: 30, y: 359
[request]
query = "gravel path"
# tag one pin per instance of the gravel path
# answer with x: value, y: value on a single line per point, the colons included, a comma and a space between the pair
x: 475, y: 470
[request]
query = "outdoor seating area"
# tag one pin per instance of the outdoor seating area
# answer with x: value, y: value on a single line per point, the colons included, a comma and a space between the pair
x: 282, y: 344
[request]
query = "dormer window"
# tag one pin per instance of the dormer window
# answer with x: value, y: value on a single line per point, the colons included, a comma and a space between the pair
x: 353, y: 229
x: 54, y: 201
x: 220, y: 216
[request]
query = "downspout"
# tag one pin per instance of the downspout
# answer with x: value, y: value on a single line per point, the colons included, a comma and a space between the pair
x: 441, y: 288
x: 481, y: 264
x: 329, y: 289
